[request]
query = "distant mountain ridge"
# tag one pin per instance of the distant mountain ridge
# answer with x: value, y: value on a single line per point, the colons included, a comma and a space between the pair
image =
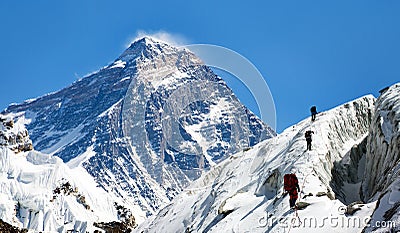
x: 144, y: 126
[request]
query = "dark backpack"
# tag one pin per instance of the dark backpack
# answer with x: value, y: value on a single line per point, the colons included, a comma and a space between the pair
x: 313, y: 109
x: 290, y: 182
x: 308, y: 134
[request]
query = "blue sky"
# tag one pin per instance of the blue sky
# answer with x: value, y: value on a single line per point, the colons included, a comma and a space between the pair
x: 310, y: 52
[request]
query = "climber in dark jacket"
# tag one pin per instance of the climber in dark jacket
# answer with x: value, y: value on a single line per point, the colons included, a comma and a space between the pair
x: 313, y: 111
x: 308, y: 138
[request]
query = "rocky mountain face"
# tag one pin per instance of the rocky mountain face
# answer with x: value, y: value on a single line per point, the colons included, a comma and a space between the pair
x: 146, y: 125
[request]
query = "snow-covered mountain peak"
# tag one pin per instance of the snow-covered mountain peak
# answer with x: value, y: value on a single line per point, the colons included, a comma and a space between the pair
x: 139, y: 47
x: 129, y: 126
x: 148, y: 48
x: 151, y: 41
x: 148, y: 42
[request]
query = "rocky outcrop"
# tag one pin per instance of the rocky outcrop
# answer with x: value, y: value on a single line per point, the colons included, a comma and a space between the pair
x: 66, y: 189
x: 126, y: 223
x: 14, y: 136
x: 8, y: 228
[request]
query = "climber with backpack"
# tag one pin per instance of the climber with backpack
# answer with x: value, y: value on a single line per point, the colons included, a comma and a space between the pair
x: 307, y: 135
x: 291, y: 186
x: 313, y: 111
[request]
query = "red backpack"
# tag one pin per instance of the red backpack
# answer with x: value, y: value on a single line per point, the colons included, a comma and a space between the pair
x: 290, y: 182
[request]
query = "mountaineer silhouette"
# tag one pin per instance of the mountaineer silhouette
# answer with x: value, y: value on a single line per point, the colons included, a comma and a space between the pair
x: 308, y: 137
x: 314, y: 112
x: 291, y: 186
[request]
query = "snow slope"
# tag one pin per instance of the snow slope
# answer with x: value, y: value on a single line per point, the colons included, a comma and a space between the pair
x: 244, y: 193
x: 41, y: 193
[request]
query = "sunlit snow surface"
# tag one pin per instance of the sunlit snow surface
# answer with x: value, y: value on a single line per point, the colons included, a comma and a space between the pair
x: 28, y: 199
x: 242, y: 195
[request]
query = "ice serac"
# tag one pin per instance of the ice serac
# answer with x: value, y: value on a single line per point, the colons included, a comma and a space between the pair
x: 382, y: 173
x: 244, y: 193
x: 144, y: 126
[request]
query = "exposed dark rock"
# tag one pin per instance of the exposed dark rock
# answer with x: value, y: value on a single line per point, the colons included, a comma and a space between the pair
x: 353, y: 207
x: 302, y: 205
x: 391, y: 212
x: 16, y: 142
x: 308, y: 195
x: 67, y: 189
x: 124, y: 226
x: 8, y: 228
x: 113, y: 227
x: 9, y: 124
x: 320, y: 194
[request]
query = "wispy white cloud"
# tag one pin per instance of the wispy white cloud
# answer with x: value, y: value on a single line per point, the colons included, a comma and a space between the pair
x: 167, y: 37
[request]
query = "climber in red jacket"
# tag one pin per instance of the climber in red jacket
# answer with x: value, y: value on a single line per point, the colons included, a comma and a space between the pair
x: 291, y: 185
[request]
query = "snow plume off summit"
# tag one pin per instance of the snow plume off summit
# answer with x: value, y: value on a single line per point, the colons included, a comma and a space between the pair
x: 146, y: 125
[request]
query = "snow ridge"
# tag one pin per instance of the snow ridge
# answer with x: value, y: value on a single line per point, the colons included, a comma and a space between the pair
x: 244, y: 193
